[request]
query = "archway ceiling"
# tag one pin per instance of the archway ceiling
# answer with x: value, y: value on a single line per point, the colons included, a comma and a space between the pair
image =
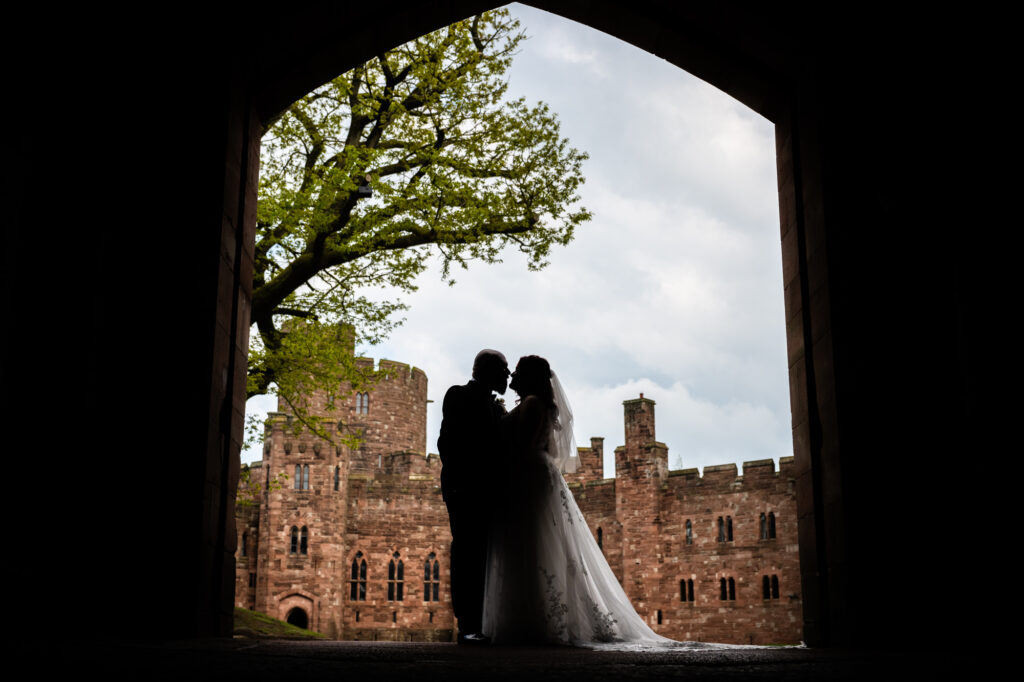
x: 741, y: 49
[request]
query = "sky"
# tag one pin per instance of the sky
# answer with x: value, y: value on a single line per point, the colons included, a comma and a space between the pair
x: 673, y: 289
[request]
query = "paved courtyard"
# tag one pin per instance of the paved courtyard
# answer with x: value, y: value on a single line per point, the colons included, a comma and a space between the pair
x: 282, y: 660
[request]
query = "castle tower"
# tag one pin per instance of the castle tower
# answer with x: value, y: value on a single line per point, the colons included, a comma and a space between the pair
x: 322, y: 502
x: 302, y: 519
x: 641, y: 469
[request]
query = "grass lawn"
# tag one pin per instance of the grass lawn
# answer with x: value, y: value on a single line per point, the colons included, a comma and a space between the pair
x: 253, y: 624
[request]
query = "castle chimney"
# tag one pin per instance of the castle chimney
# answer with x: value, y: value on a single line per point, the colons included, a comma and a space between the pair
x: 639, y: 420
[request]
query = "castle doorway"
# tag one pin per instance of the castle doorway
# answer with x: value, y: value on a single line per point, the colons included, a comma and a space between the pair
x: 298, y: 618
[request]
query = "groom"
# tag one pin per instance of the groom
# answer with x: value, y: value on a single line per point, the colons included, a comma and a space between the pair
x: 469, y: 445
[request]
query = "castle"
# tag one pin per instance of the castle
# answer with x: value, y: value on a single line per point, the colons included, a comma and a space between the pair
x: 355, y: 544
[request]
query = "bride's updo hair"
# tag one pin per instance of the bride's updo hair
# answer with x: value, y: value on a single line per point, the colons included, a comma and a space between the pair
x: 533, y: 377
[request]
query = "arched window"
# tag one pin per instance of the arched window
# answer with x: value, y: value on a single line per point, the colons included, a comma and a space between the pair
x: 294, y: 547
x: 305, y: 477
x: 357, y: 584
x: 728, y: 528
x: 771, y: 525
x: 298, y: 477
x: 689, y: 532
x: 304, y: 541
x: 766, y: 586
x: 431, y: 579
x: 362, y: 403
x: 396, y: 578
x: 721, y: 529
x: 600, y: 538
x: 775, y: 587
x: 337, y: 477
x: 245, y: 541
x: 686, y: 589
x: 732, y: 590
x: 764, y: 526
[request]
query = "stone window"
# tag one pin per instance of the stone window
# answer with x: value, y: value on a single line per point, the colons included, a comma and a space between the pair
x: 252, y: 580
x: 431, y: 579
x: 775, y: 587
x: 770, y: 587
x: 357, y: 584
x: 362, y: 403
x: 304, y: 541
x: 600, y: 538
x: 689, y: 532
x: 686, y: 589
x: 768, y: 526
x: 298, y: 477
x: 725, y: 529
x: 732, y: 590
x: 294, y: 547
x: 727, y: 589
x: 245, y: 541
x: 305, y: 478
x: 659, y: 616
x: 396, y: 578
x: 337, y: 477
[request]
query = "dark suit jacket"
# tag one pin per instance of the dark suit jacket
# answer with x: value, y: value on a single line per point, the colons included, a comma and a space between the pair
x: 469, y: 443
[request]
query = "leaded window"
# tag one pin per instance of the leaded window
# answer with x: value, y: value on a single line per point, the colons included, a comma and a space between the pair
x: 396, y: 578
x: 357, y: 584
x: 431, y: 579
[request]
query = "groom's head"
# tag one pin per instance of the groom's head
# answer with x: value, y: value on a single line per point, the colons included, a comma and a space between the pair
x: 490, y: 368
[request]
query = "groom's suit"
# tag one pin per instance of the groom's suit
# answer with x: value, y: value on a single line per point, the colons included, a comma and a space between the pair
x: 468, y: 446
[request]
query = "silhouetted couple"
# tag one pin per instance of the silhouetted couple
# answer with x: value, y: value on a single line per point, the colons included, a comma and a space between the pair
x: 525, y: 568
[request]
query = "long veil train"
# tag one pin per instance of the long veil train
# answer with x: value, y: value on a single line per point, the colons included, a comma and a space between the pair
x: 547, y: 579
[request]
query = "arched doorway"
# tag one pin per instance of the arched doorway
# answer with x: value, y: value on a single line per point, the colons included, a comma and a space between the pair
x: 299, y: 618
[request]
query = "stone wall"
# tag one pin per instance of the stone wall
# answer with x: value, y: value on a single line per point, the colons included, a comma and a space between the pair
x: 387, y: 501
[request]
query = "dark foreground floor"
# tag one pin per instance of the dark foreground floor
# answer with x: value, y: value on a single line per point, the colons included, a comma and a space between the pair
x: 375, y: 661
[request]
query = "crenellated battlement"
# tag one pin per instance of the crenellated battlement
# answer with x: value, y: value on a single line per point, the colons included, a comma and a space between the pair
x: 591, y: 463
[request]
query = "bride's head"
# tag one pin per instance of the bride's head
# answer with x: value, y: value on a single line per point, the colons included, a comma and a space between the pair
x: 533, y: 377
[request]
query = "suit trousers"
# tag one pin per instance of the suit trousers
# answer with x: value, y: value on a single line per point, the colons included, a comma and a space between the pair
x: 468, y: 563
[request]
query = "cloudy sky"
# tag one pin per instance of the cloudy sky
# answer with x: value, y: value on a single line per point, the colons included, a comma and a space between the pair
x: 674, y: 289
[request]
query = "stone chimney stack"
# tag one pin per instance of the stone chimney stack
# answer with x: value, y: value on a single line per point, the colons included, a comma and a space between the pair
x: 639, y: 420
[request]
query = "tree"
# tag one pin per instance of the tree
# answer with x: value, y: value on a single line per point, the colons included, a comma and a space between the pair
x: 454, y: 170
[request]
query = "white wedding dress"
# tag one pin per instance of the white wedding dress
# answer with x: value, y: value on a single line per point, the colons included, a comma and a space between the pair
x: 547, y: 580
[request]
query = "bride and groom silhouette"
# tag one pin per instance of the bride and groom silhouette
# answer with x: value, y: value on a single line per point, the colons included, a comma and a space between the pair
x: 524, y: 567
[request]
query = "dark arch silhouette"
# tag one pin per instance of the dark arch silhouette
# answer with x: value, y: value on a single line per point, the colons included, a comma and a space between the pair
x: 861, y: 171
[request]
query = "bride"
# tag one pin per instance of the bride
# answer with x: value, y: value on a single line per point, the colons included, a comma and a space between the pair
x: 547, y: 580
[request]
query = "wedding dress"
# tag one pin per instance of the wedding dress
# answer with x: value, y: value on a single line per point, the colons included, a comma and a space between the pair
x: 547, y: 580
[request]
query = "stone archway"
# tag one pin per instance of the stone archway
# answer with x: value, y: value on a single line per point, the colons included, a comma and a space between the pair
x: 698, y: 44
x: 889, y: 317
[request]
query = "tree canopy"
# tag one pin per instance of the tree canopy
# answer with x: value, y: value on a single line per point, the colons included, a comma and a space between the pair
x: 456, y: 170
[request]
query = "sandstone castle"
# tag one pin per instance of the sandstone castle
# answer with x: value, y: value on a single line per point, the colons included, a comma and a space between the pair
x: 355, y: 544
